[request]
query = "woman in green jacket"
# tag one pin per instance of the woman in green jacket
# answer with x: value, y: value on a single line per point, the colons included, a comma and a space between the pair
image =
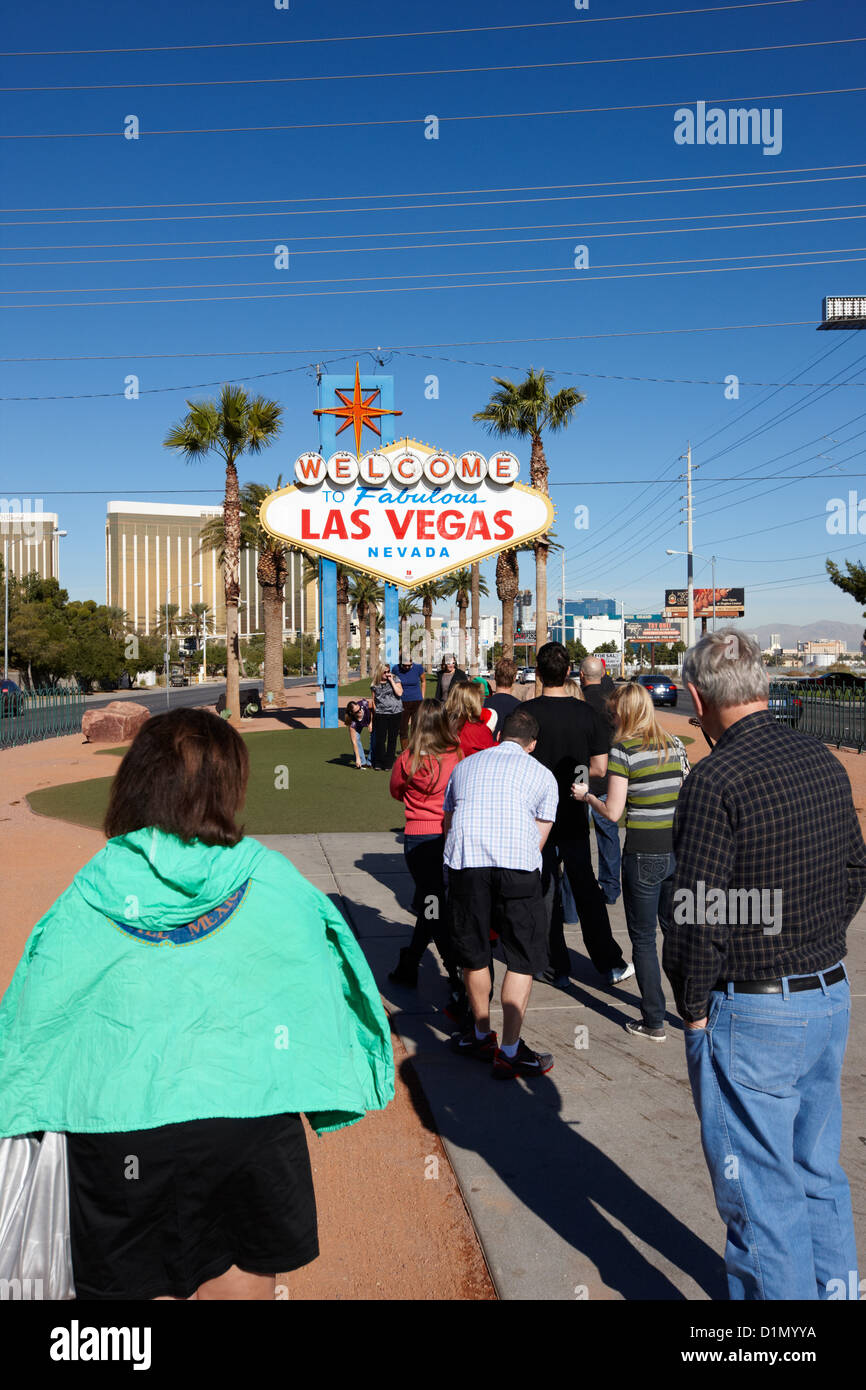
x: 183, y: 1002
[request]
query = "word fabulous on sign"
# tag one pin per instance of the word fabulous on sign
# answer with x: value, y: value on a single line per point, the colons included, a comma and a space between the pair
x: 407, y: 513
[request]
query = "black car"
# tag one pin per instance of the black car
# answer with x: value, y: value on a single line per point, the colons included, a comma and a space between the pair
x: 661, y: 688
x: 11, y: 697
x: 784, y: 703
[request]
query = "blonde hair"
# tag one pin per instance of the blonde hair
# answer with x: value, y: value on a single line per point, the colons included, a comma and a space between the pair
x: 573, y: 688
x: 379, y: 673
x: 465, y: 703
x: 635, y: 716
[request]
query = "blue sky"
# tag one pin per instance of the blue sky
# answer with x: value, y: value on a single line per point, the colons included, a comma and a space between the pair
x: 669, y: 229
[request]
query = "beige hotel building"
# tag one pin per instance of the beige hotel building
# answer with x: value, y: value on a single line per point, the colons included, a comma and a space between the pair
x: 152, y: 558
x: 30, y: 541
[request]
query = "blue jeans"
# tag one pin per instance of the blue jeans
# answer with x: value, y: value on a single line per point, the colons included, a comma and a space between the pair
x: 765, y: 1077
x: 647, y: 895
x: 607, y: 839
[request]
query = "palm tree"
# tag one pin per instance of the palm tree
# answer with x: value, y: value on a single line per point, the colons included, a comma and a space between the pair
x: 507, y: 589
x: 234, y: 425
x: 526, y: 409
x: 272, y: 569
x: 474, y: 660
x: 408, y: 607
x: 364, y: 594
x: 429, y: 593
x: 459, y: 584
x: 311, y: 576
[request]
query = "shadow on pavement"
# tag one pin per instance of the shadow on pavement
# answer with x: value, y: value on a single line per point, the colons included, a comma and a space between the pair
x: 518, y: 1130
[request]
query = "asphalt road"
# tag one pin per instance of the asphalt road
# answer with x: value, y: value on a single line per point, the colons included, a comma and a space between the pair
x: 179, y: 696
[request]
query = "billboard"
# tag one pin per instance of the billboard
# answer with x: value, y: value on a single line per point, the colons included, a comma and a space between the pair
x: 730, y: 603
x: 653, y: 629
x: 407, y: 513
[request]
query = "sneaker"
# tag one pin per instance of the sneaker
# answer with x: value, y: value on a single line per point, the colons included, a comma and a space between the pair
x: 640, y: 1030
x: 622, y: 972
x: 468, y: 1045
x: 525, y: 1062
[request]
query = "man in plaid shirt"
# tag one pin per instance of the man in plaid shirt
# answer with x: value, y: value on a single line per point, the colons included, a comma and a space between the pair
x: 499, y: 807
x: 770, y: 869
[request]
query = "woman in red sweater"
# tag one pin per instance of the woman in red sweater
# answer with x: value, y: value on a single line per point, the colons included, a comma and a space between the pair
x: 463, y: 707
x: 419, y: 778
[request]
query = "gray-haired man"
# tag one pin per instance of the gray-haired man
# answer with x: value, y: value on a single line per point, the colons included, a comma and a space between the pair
x: 770, y: 869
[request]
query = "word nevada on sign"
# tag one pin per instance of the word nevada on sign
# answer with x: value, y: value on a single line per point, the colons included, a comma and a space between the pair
x: 407, y: 513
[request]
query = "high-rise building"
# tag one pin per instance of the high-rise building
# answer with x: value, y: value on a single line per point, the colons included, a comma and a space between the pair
x: 775, y: 642
x: 152, y: 557
x: 29, y: 542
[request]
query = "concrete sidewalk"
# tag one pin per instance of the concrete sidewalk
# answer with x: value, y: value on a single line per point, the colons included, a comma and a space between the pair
x: 589, y: 1182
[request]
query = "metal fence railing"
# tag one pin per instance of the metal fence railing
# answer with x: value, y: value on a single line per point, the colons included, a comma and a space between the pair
x: 835, y: 713
x: 30, y: 715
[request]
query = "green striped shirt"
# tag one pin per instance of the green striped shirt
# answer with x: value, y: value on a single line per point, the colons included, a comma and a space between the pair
x: 651, y: 799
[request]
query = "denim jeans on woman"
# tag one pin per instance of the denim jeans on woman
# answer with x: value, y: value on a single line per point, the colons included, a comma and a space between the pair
x: 765, y: 1076
x: 647, y: 895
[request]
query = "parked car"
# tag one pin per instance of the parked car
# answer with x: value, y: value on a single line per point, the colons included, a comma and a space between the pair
x: 840, y: 680
x: 11, y: 697
x: 526, y: 675
x: 661, y: 688
x: 178, y: 676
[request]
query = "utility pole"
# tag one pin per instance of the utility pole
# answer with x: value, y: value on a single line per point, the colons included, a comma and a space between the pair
x: 563, y: 597
x: 690, y: 620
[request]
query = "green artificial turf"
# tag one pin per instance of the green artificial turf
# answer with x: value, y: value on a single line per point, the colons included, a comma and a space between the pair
x: 325, y: 791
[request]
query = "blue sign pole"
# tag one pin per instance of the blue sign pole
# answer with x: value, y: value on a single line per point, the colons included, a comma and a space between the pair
x: 328, y: 444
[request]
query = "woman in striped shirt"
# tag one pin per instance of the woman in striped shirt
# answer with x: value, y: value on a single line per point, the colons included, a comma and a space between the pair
x: 645, y: 767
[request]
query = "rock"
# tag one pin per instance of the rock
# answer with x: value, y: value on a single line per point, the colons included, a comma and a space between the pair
x: 117, y: 722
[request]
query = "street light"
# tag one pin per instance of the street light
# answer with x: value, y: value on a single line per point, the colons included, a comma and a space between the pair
x: 711, y: 561
x: 167, y: 654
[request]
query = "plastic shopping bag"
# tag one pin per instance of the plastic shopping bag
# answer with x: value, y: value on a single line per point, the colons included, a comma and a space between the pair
x: 35, y: 1256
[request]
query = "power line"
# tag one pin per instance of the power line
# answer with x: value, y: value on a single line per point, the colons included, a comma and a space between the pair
x: 312, y: 352
x: 578, y: 230
x: 417, y: 34
x: 419, y: 289
x: 431, y: 72
x: 419, y: 120
x: 436, y: 207
x: 426, y: 275
x: 440, y: 193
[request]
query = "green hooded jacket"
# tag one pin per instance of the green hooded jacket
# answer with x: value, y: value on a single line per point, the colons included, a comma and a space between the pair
x: 179, y: 981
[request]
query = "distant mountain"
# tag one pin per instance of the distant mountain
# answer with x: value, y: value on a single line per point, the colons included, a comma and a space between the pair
x: 792, y: 633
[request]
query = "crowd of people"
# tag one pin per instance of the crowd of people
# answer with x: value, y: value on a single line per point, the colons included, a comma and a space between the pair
x: 193, y: 1064
x: 503, y: 826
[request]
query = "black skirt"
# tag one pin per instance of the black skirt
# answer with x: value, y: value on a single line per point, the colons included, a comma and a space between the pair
x: 160, y: 1211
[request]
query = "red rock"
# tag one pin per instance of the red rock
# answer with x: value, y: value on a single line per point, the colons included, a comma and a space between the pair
x: 117, y: 722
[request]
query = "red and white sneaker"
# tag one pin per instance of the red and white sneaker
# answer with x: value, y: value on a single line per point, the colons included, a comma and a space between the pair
x: 525, y: 1062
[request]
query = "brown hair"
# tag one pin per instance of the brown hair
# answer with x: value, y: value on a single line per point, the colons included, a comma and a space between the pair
x: 431, y: 737
x: 464, y: 704
x: 185, y: 773
x: 505, y: 671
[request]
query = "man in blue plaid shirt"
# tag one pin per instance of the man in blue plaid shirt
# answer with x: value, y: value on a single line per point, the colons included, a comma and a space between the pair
x: 770, y: 870
x: 499, y: 807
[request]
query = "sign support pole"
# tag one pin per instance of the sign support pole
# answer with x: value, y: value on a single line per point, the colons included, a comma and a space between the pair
x: 392, y: 625
x: 330, y: 712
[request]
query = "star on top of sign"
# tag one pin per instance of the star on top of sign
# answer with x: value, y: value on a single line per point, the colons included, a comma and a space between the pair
x: 357, y: 411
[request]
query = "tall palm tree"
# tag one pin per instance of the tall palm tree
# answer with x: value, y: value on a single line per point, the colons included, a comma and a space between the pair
x: 407, y: 607
x: 527, y: 409
x: 507, y: 589
x: 429, y: 593
x: 459, y: 584
x: 272, y: 570
x: 235, y: 425
x: 311, y: 576
x: 364, y: 593
x: 474, y: 660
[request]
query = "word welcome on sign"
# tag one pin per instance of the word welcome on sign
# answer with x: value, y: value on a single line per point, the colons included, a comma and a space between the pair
x: 408, y: 513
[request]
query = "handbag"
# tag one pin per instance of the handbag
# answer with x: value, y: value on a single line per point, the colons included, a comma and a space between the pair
x: 35, y: 1253
x: 685, y: 765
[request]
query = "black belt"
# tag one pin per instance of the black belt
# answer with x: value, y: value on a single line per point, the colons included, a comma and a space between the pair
x: 831, y: 977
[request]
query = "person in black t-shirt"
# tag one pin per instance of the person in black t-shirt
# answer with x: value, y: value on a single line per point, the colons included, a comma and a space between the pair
x: 597, y: 688
x: 502, y: 701
x: 573, y: 742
